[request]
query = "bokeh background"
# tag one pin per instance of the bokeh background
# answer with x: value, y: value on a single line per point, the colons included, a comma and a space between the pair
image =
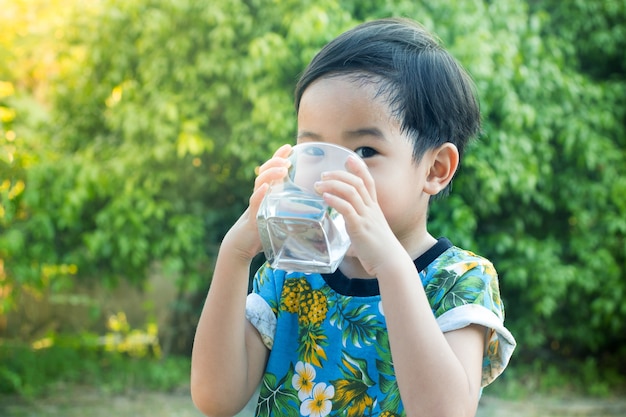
x: 129, y: 133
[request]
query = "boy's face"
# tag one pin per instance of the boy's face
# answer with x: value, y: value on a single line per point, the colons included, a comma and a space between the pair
x: 340, y: 111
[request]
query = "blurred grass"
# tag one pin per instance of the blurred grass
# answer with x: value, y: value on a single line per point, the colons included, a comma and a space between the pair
x: 30, y: 372
x: 77, y: 377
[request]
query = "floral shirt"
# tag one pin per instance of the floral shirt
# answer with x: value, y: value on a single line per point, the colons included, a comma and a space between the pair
x: 329, y: 348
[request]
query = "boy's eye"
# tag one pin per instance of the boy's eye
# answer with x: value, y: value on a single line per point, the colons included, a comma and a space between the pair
x: 365, y: 152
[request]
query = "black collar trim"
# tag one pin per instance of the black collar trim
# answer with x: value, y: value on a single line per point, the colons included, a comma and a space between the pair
x: 368, y: 287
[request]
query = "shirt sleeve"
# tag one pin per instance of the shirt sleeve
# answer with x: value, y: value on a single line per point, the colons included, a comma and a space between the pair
x: 259, y: 305
x: 467, y: 292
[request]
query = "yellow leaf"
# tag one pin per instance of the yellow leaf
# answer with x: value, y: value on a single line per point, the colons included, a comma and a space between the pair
x: 6, y: 114
x: 6, y: 89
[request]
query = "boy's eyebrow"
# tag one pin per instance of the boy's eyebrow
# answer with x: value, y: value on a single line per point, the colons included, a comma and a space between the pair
x: 367, y: 131
x: 350, y: 134
x: 309, y: 135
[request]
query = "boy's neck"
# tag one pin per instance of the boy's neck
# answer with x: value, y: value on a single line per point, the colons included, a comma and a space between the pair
x: 419, y: 247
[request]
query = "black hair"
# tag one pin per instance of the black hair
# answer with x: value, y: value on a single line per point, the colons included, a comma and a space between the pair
x: 428, y: 90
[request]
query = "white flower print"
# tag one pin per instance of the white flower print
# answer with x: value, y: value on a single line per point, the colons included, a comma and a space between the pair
x: 319, y: 405
x: 303, y: 380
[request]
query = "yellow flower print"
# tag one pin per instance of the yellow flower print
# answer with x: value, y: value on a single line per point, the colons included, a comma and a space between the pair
x: 490, y: 270
x: 303, y: 380
x: 461, y: 268
x: 319, y: 405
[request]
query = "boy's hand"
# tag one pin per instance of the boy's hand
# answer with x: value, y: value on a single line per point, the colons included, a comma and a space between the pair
x: 353, y: 195
x: 243, y: 237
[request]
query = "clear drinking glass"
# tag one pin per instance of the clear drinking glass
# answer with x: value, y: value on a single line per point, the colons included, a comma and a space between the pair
x: 300, y: 232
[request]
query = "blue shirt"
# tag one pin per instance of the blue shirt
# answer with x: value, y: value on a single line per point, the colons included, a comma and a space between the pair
x: 327, y: 335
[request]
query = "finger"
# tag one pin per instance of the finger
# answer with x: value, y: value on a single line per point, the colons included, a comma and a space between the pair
x: 275, y: 168
x: 257, y: 197
x: 344, y: 198
x: 278, y: 159
x: 283, y: 151
x: 358, y: 167
x: 348, y: 208
x: 275, y: 161
x: 269, y: 175
x: 347, y: 186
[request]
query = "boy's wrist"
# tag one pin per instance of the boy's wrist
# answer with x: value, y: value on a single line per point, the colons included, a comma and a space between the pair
x: 395, y: 260
x: 232, y: 247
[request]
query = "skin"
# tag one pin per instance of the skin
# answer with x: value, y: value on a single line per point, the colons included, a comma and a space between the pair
x: 384, y: 200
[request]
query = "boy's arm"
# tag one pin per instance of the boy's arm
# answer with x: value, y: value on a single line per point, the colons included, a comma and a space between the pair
x: 438, y: 373
x: 228, y: 356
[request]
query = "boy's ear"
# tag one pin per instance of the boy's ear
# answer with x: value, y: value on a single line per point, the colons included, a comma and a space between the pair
x: 443, y: 164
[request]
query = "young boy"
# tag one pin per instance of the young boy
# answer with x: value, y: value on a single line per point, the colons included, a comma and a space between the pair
x: 408, y: 324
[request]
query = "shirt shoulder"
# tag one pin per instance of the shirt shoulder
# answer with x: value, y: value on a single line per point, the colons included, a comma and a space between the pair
x: 459, y: 277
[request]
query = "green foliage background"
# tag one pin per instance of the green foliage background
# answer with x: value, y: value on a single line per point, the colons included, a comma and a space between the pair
x: 130, y: 132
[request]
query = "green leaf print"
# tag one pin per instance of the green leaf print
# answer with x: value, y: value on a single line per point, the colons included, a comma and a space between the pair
x: 356, y: 368
x: 356, y: 324
x: 386, y: 377
x: 351, y: 397
x: 494, y: 292
x: 440, y: 285
x: 467, y: 291
x: 311, y: 347
x: 262, y: 275
x: 278, y: 396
